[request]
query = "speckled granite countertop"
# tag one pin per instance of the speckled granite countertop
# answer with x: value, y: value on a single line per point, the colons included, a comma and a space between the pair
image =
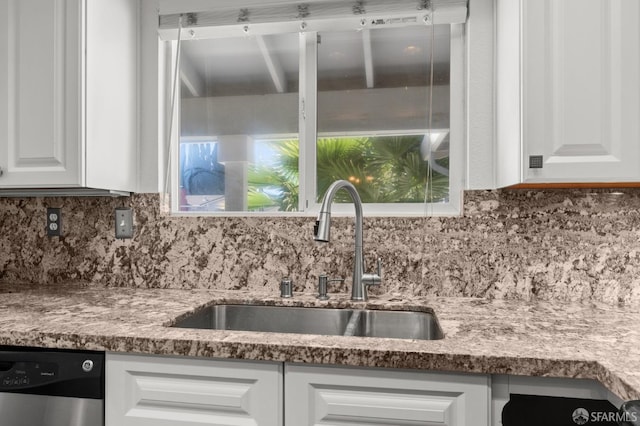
x: 481, y: 336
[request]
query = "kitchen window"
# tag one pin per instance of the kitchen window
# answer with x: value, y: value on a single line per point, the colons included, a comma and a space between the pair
x: 268, y: 112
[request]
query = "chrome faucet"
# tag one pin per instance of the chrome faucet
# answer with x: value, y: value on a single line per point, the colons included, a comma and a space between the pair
x: 322, y: 233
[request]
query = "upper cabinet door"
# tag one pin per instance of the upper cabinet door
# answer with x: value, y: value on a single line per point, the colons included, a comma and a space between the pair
x: 581, y: 90
x: 40, y: 65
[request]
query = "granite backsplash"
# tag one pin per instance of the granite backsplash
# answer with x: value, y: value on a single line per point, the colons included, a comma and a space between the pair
x: 578, y: 245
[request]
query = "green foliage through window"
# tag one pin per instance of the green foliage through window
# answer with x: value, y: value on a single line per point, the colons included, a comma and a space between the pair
x: 384, y: 169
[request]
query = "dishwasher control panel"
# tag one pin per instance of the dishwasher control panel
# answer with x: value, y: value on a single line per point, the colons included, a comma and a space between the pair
x: 26, y: 374
x: 52, y: 372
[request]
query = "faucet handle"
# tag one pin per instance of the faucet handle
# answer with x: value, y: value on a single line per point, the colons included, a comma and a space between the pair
x: 373, y: 279
x: 379, y: 267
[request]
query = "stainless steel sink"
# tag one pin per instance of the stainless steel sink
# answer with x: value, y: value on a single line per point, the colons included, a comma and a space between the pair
x: 279, y: 319
x: 396, y: 324
x: 325, y: 321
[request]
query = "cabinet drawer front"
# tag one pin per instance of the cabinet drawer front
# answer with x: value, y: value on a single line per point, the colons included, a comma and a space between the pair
x: 178, y: 391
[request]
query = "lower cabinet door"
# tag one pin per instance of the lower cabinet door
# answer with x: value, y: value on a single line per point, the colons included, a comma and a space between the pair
x: 180, y: 391
x: 320, y: 395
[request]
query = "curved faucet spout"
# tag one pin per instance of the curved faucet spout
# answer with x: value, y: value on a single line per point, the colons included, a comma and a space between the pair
x: 323, y: 224
x: 323, y: 227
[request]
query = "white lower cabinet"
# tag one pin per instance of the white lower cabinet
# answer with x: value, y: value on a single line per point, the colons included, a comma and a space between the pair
x: 145, y: 390
x: 321, y: 395
x: 180, y: 391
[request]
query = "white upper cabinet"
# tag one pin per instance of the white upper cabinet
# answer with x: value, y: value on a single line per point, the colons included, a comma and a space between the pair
x: 68, y: 94
x: 568, y: 95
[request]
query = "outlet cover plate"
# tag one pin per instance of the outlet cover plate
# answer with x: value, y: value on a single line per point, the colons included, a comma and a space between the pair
x: 124, y: 222
x: 54, y: 222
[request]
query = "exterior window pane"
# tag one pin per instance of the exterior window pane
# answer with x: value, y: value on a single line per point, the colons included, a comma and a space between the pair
x: 385, y: 169
x: 234, y: 93
x: 201, y: 177
x: 374, y: 118
x: 382, y: 120
x: 272, y: 176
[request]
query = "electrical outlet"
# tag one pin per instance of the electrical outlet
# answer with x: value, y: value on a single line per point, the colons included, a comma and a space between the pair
x: 124, y: 222
x: 54, y: 222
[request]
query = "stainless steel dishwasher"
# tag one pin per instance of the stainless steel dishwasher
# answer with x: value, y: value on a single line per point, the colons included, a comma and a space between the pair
x: 43, y: 387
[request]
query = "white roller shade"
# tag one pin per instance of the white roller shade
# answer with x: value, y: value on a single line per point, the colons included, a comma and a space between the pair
x: 201, y: 14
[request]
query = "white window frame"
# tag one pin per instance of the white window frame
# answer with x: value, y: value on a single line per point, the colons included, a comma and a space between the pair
x: 307, y: 127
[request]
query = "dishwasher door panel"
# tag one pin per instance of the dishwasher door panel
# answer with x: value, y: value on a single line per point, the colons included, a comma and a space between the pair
x: 41, y: 410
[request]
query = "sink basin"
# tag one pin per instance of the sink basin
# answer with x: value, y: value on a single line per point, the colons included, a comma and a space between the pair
x: 397, y: 324
x: 278, y: 319
x: 325, y: 321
